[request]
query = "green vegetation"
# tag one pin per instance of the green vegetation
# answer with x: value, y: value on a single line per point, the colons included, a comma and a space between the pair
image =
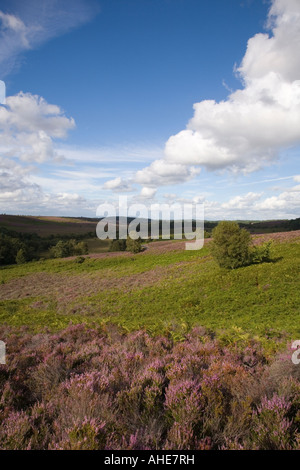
x: 68, y: 248
x: 18, y: 247
x: 231, y: 245
x: 161, y: 292
x: 15, y: 249
x: 163, y: 336
x: 117, y: 245
x: 135, y: 246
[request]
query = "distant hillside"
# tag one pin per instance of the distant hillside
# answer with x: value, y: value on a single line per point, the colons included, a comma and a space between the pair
x: 264, y: 226
x: 46, y: 226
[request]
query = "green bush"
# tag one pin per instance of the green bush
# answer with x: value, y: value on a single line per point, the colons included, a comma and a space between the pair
x: 80, y: 248
x: 261, y: 254
x: 117, y: 245
x: 62, y: 249
x: 231, y: 245
x: 135, y: 246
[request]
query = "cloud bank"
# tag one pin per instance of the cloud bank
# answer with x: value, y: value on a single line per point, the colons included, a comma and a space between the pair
x: 247, y: 131
x: 29, y: 128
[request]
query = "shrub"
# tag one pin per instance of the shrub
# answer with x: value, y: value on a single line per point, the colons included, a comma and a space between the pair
x: 231, y: 245
x: 80, y: 248
x: 272, y: 427
x: 135, y: 246
x: 63, y: 249
x: 261, y: 254
x: 117, y: 245
x: 90, y: 388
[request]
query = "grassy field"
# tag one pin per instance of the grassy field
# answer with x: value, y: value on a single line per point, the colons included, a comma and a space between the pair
x: 163, y: 289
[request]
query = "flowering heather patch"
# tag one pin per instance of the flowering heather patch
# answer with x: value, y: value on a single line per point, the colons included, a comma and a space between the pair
x: 101, y: 388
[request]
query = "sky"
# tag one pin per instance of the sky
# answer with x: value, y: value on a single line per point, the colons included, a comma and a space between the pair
x: 162, y: 101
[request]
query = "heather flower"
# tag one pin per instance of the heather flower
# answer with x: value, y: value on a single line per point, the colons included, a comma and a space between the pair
x: 272, y: 426
x: 184, y: 401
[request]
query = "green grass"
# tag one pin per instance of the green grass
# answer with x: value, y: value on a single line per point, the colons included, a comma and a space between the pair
x: 187, y: 288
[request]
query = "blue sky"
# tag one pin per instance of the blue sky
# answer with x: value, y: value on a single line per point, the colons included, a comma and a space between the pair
x: 159, y: 100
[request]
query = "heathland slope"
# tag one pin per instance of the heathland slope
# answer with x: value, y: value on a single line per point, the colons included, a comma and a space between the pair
x: 165, y: 288
x: 158, y: 350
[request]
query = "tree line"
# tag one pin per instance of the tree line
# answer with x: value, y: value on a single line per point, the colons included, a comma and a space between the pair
x: 19, y: 248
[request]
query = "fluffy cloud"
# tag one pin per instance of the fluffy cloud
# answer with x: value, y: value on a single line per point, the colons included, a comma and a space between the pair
x: 36, y: 22
x: 118, y: 185
x: 257, y: 206
x: 242, y: 202
x: 28, y: 125
x: 147, y: 193
x: 278, y: 53
x: 286, y: 203
x: 14, y: 178
x: 19, y: 194
x: 248, y: 130
x: 161, y: 172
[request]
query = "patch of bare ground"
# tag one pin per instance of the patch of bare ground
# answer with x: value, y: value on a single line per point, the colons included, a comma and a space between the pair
x: 64, y: 289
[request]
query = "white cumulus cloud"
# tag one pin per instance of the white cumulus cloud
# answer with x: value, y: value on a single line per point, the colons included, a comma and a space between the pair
x: 28, y: 125
x: 147, y: 193
x: 162, y: 172
x: 248, y: 130
x: 118, y: 185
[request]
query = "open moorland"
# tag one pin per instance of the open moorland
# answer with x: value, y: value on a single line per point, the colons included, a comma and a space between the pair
x: 161, y: 287
x: 157, y: 350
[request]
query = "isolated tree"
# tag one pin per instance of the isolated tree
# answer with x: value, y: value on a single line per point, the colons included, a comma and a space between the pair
x: 231, y: 245
x: 262, y: 253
